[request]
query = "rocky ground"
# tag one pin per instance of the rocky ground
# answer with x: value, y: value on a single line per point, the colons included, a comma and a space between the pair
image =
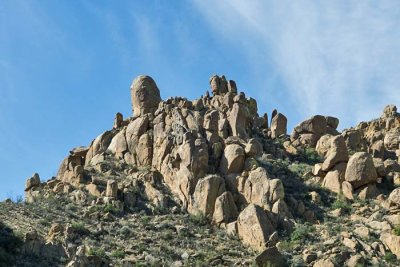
x: 209, y: 182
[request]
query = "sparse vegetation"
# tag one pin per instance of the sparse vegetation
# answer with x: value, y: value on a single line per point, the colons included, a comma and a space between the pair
x: 199, y: 219
x: 118, y: 254
x: 310, y: 156
x: 396, y: 230
x: 302, y: 232
x: 99, y: 252
x: 112, y: 209
x: 79, y: 228
x: 390, y: 257
x: 341, y: 203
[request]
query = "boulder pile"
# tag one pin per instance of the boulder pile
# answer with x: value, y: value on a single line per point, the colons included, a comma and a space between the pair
x: 219, y: 158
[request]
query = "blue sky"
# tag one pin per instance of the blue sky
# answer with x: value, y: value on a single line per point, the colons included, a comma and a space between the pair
x: 66, y: 66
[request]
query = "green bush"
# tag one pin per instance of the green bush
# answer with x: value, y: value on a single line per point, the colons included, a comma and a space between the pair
x: 99, y: 252
x: 302, y: 232
x: 390, y: 257
x: 120, y: 254
x: 397, y: 230
x: 310, y: 156
x: 342, y: 203
x: 199, y: 219
x: 111, y: 209
x: 79, y: 228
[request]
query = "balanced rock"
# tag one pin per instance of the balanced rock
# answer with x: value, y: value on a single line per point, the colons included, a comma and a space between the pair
x: 145, y: 95
x: 118, y: 120
x: 278, y: 125
x: 32, y: 181
x: 360, y: 170
x: 337, y: 153
x: 315, y: 125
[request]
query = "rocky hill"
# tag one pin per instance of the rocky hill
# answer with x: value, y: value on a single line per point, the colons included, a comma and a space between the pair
x: 210, y: 182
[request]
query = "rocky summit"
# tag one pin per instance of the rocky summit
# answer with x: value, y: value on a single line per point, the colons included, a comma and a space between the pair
x: 210, y: 182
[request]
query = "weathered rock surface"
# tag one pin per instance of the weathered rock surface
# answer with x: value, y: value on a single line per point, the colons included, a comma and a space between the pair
x: 254, y: 227
x: 145, y: 95
x: 360, y: 170
x: 278, y: 125
x: 233, y: 159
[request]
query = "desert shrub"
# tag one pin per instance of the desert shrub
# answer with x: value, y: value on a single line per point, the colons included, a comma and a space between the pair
x: 198, y: 219
x: 124, y: 231
x: 302, y: 232
x: 310, y: 156
x: 390, y: 257
x: 397, y: 230
x: 79, y: 228
x: 111, y: 209
x: 300, y: 168
x: 341, y: 203
x: 99, y: 252
x: 120, y: 254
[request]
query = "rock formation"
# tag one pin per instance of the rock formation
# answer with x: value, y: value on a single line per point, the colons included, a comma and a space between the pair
x: 218, y: 160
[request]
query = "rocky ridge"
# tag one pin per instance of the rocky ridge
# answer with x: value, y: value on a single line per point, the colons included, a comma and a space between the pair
x: 212, y: 168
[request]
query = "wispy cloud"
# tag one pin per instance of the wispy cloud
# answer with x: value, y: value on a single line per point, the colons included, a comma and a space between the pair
x: 334, y: 57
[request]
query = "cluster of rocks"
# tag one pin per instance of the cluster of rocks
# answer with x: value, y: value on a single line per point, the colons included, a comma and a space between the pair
x: 308, y: 132
x: 204, y: 149
x: 367, y: 172
x: 207, y: 151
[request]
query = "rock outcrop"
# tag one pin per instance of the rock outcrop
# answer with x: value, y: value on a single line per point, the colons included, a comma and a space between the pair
x: 145, y: 95
x: 217, y: 159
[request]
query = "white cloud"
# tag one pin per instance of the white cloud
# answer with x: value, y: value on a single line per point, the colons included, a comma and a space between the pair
x: 334, y: 57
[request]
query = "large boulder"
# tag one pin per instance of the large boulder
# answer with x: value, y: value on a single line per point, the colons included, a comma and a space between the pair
x: 145, y: 95
x: 254, y: 227
x: 261, y: 190
x: 239, y: 117
x: 316, y: 125
x: 219, y: 85
x: 118, y: 144
x: 392, y: 139
x: 205, y: 194
x: 334, y: 178
x: 99, y: 145
x: 225, y: 210
x: 392, y: 242
x: 360, y: 170
x: 389, y: 111
x: 278, y: 125
x: 353, y: 139
x: 32, y: 181
x: 271, y: 257
x: 323, y: 145
x: 332, y: 122
x: 394, y: 196
x: 232, y: 160
x: 337, y: 153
